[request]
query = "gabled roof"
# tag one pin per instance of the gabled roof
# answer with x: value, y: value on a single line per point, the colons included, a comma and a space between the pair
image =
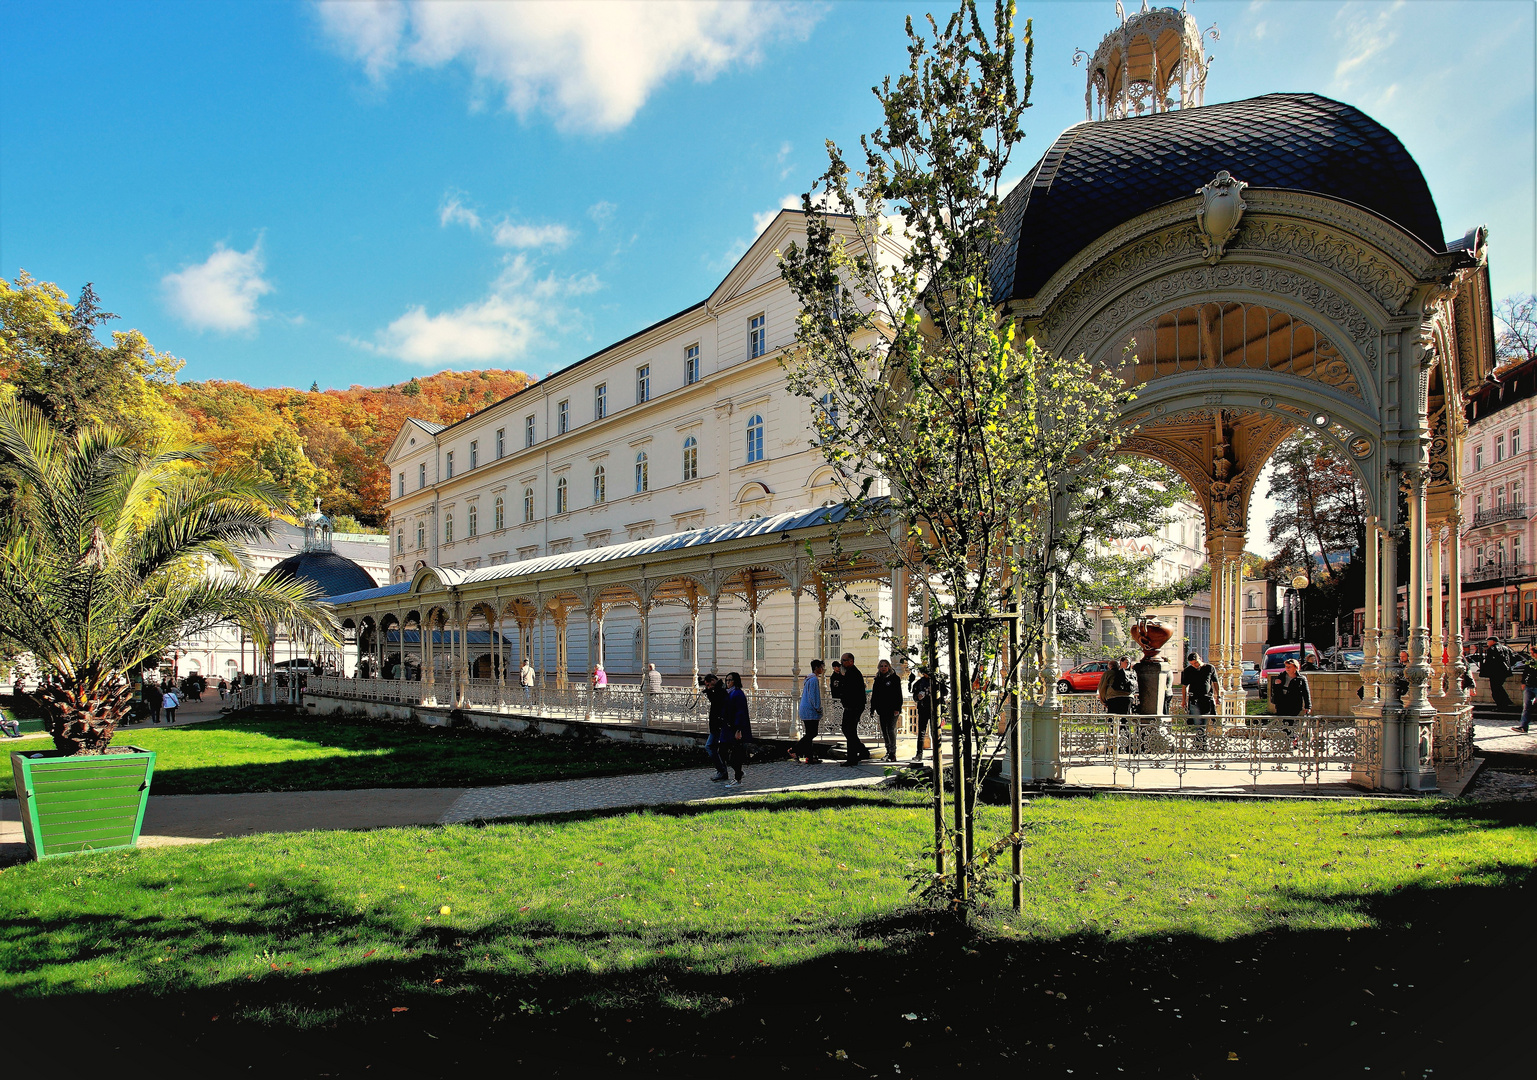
x: 429, y: 426
x: 1100, y: 174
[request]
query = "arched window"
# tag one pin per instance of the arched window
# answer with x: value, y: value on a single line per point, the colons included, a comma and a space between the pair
x: 560, y: 495
x: 599, y: 485
x: 642, y: 473
x: 755, y: 438
x: 499, y: 515
x: 690, y: 458
x: 834, y: 640
x: 686, y: 647
x: 751, y: 637
x: 421, y: 536
x: 448, y: 528
x: 474, y: 522
x: 528, y: 505
x: 400, y: 541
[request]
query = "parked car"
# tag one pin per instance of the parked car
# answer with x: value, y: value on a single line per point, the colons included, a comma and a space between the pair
x: 1276, y: 657
x: 1083, y: 677
x: 1250, y: 679
x: 1344, y: 659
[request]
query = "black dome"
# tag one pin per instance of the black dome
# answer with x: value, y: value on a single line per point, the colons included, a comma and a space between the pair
x: 1099, y: 175
x: 335, y: 574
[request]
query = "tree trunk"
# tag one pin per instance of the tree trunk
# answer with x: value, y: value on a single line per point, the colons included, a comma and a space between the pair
x: 83, y: 721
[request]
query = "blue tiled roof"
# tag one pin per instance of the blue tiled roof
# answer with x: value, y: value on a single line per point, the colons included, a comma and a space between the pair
x: 1100, y: 174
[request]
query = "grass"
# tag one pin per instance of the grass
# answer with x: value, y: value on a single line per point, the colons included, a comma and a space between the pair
x: 299, y: 754
x: 767, y: 883
x: 773, y: 934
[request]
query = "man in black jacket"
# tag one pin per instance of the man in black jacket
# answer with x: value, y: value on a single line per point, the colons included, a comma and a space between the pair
x: 716, y: 695
x: 927, y: 692
x: 851, y: 692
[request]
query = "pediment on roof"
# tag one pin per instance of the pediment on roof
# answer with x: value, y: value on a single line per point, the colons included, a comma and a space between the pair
x: 758, y: 266
x: 409, y: 430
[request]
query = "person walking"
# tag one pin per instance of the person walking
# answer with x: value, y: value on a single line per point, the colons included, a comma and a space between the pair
x: 851, y: 693
x: 171, y: 702
x: 927, y: 692
x: 526, y: 678
x: 155, y: 698
x: 715, y: 693
x: 810, y: 713
x: 886, y: 704
x: 1495, y: 667
x: 1201, y: 691
x: 736, y: 731
x: 653, y: 680
x: 1528, y: 695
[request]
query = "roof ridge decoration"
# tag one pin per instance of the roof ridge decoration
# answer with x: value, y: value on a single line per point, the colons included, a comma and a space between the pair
x: 1222, y: 208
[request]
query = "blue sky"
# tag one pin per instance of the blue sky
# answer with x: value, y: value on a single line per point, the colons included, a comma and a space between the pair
x: 286, y: 193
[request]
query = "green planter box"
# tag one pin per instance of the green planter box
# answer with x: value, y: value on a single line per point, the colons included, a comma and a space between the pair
x: 81, y: 803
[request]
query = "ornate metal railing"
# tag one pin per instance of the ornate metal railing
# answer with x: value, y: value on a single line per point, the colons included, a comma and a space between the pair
x: 1508, y: 512
x: 1454, y: 737
x: 1497, y: 571
x: 1306, y: 746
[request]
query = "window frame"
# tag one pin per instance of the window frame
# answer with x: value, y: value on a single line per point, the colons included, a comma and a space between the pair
x: 690, y: 459
x: 1499, y: 449
x: 643, y: 384
x: 421, y: 536
x: 754, y: 441
x: 528, y: 505
x: 421, y: 475
x: 600, y: 401
x: 528, y: 431
x: 563, y: 416
x: 1515, y: 441
x: 472, y: 522
x: 562, y: 498
x: 448, y: 527
x: 757, y: 335
x: 499, y: 514
x: 501, y: 443
x: 402, y: 494
x: 448, y: 465
x: 642, y: 473
x: 690, y: 364
x: 1478, y: 458
x: 474, y: 453
x: 599, y: 485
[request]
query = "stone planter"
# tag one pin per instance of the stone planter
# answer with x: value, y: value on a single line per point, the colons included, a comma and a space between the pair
x: 79, y: 803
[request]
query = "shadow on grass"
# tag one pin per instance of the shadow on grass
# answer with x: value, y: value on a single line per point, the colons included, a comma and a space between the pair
x: 913, y: 988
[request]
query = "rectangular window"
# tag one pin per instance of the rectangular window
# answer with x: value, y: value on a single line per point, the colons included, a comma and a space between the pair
x: 600, y: 401
x: 501, y: 441
x: 474, y: 453
x: 448, y: 461
x: 421, y: 476
x: 1109, y: 633
x: 528, y: 431
x: 1515, y: 442
x: 562, y: 417
x: 1499, y: 448
x: 757, y: 342
x: 1478, y: 457
x: 691, y: 365
x: 643, y: 384
x: 402, y: 485
x: 1478, y: 506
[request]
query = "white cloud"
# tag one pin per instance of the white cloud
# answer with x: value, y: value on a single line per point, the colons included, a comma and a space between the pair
x: 761, y: 221
x: 221, y: 293
x: 602, y: 212
x: 454, y: 212
x: 588, y: 63
x: 517, y: 314
x: 1367, y: 33
x: 514, y: 235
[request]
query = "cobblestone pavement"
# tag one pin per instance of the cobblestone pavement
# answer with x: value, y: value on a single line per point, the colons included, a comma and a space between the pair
x: 651, y: 789
x: 1503, y: 785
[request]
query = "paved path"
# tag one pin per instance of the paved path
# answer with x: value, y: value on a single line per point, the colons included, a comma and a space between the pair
x: 190, y: 819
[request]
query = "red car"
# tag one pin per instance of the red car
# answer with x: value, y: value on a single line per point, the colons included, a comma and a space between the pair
x: 1083, y: 677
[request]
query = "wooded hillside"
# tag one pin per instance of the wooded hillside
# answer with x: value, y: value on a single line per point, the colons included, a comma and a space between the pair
x: 329, y: 443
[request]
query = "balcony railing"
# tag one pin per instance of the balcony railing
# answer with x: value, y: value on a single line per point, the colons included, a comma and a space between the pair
x: 1498, y: 571
x: 1509, y: 512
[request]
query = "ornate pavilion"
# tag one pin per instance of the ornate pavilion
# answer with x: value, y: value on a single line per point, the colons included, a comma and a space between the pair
x: 1273, y: 264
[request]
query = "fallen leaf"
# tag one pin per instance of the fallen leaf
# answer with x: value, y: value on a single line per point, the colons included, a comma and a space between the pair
x: 523, y: 909
x: 840, y: 1055
x: 436, y: 981
x: 401, y: 1008
x: 369, y: 953
x: 909, y: 1016
x: 445, y: 910
x: 1232, y: 1055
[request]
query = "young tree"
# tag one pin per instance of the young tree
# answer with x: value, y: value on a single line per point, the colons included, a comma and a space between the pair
x: 989, y: 463
x: 115, y: 551
x: 1517, y: 318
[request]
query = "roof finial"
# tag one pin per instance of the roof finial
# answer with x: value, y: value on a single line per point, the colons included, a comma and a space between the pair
x: 1152, y: 63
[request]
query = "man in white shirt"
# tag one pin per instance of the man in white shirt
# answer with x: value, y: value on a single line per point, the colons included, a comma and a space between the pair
x: 526, y: 676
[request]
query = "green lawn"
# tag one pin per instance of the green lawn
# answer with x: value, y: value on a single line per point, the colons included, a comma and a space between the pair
x: 299, y: 754
x: 619, y: 902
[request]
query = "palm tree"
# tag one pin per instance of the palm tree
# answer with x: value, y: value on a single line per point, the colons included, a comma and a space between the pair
x: 115, y: 550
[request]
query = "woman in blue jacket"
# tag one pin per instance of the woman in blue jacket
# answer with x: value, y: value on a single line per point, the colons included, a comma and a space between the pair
x: 736, y: 732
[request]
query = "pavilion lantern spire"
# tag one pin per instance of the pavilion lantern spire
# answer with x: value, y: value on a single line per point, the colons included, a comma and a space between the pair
x: 1153, y: 62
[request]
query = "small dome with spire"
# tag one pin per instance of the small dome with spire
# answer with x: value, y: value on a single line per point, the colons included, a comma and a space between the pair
x: 334, y: 574
x: 317, y: 530
x: 1153, y: 62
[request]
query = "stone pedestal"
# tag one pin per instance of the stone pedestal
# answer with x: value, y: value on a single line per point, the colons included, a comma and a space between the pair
x: 1155, y: 685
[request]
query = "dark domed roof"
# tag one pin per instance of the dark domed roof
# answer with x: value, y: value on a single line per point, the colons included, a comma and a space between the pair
x: 1099, y: 175
x: 335, y: 574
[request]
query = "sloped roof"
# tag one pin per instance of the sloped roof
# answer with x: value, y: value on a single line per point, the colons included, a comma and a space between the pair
x: 1100, y: 174
x: 595, y: 557
x: 335, y: 574
x: 429, y: 426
